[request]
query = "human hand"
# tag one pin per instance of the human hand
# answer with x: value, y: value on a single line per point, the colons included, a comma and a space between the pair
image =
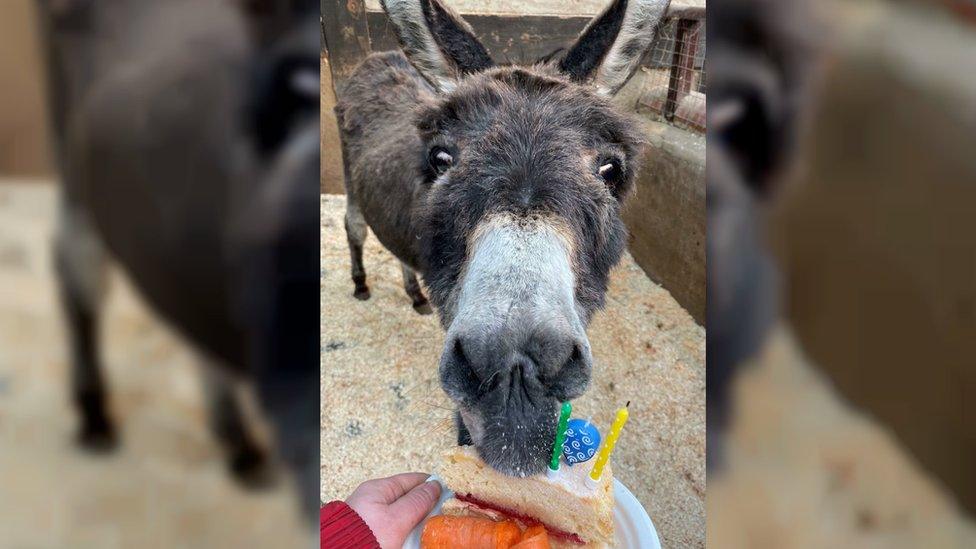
x: 394, y: 506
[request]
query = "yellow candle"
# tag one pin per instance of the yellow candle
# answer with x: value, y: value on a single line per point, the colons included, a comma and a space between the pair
x: 604, y: 455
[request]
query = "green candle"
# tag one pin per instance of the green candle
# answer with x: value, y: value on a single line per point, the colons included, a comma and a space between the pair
x: 557, y: 449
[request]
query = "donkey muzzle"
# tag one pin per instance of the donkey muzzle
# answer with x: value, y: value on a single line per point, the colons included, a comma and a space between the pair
x: 516, y: 346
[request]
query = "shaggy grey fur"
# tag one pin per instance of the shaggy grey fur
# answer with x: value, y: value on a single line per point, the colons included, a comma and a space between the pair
x: 502, y: 187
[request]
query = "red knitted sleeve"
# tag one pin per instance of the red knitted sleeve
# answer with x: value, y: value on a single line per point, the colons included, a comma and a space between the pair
x: 342, y: 528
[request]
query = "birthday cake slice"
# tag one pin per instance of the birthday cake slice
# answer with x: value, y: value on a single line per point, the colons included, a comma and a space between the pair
x: 575, y: 511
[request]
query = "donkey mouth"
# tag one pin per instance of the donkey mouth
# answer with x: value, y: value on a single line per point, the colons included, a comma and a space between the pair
x: 517, y: 446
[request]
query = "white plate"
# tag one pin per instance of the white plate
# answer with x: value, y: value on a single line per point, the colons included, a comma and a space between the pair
x: 634, y: 529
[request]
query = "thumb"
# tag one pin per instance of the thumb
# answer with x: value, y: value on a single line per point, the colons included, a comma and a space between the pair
x: 413, y: 506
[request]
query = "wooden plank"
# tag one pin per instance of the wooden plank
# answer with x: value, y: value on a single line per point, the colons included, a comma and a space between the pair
x: 518, y: 38
x: 685, y: 11
x: 23, y: 125
x: 582, y: 8
x: 345, y: 35
x: 508, y: 38
x: 331, y: 173
x: 351, y: 32
x: 682, y: 64
x: 689, y: 53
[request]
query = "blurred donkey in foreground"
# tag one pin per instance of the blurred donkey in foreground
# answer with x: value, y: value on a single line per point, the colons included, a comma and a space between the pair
x: 187, y: 137
x: 762, y: 60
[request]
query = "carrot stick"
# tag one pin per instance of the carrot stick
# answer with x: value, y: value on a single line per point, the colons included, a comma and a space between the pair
x: 450, y: 532
x: 534, y: 537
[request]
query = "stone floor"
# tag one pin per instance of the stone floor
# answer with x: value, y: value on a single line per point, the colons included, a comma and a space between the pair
x: 166, y: 485
x: 383, y: 411
x: 806, y: 469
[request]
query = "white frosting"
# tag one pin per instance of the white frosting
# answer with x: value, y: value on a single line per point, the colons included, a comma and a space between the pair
x: 573, y: 479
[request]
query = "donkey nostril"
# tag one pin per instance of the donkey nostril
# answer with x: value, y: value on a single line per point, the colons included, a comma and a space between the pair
x: 564, y: 359
x: 577, y: 360
x: 458, y: 352
x: 577, y: 353
x: 515, y: 376
x: 462, y: 369
x: 573, y: 375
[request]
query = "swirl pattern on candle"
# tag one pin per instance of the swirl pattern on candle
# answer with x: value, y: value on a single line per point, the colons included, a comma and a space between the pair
x: 582, y: 441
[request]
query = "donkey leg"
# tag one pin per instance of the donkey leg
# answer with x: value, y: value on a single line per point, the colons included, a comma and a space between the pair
x: 286, y: 375
x: 356, y: 235
x: 80, y: 260
x: 412, y: 286
x: 246, y: 461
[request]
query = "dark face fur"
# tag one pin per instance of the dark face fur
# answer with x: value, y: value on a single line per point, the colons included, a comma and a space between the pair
x: 526, y: 169
x: 527, y: 152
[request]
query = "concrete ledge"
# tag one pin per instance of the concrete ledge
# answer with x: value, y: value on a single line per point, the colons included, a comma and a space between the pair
x: 666, y: 215
x: 878, y: 236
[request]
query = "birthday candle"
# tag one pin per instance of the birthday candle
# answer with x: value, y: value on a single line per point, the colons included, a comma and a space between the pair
x: 604, y: 455
x: 557, y: 448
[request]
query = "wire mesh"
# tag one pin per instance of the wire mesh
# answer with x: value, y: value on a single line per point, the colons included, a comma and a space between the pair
x: 673, y: 88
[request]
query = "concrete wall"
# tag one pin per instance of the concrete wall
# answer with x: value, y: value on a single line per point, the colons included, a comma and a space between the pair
x: 878, y: 239
x: 666, y: 215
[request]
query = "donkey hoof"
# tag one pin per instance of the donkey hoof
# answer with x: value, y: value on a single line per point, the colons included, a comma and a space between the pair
x: 422, y: 307
x: 252, y: 469
x: 362, y: 294
x: 97, y: 437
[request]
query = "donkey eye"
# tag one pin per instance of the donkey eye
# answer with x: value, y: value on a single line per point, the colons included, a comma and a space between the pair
x: 609, y: 170
x: 440, y: 160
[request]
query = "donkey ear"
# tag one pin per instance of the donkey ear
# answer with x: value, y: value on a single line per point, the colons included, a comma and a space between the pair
x: 610, y: 48
x: 437, y: 41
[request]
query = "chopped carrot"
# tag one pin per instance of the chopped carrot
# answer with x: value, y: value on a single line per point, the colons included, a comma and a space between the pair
x: 449, y: 532
x: 534, y: 537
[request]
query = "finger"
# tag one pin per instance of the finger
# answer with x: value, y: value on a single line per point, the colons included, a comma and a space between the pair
x: 415, y: 504
x: 390, y: 489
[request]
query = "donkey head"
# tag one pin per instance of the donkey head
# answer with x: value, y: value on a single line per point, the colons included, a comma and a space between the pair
x: 525, y: 169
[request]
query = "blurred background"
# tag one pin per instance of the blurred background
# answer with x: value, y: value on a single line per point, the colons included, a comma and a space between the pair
x: 23, y: 127
x: 167, y: 482
x: 852, y: 420
x: 852, y: 424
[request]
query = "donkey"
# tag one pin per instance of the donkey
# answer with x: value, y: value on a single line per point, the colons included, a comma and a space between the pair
x: 762, y: 59
x: 187, y: 136
x: 502, y: 186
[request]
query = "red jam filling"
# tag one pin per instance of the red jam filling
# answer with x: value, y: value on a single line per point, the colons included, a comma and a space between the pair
x: 530, y: 521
